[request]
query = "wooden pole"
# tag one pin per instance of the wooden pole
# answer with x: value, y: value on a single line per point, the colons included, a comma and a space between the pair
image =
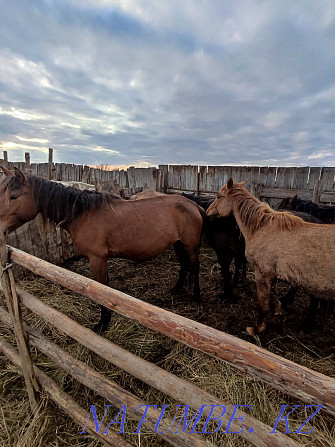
x: 179, y: 389
x: 27, y: 160
x: 317, y: 191
x: 8, y: 286
x: 284, y: 375
x: 50, y: 163
x: 5, y: 158
x: 109, y: 390
x: 64, y: 401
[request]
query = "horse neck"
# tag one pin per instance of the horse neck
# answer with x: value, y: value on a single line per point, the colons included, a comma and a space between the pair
x: 247, y: 210
x: 54, y: 200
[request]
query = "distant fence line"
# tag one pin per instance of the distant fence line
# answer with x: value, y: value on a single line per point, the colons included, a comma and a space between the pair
x: 268, y: 183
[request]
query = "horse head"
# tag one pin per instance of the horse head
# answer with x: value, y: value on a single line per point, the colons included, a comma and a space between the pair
x: 17, y: 203
x: 222, y: 205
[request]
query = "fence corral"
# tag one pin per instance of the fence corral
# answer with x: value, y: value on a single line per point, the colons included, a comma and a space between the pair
x: 270, y: 184
x: 300, y: 382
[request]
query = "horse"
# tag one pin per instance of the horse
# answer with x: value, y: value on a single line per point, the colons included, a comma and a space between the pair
x: 103, y: 225
x: 226, y: 239
x: 147, y: 194
x: 279, y: 245
x: 326, y: 213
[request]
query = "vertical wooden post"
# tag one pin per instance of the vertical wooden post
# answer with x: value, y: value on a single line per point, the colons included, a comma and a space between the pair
x: 27, y: 160
x: 12, y: 301
x: 50, y: 163
x: 5, y: 158
x: 317, y: 191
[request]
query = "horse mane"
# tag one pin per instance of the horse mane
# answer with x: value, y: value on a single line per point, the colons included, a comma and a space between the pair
x: 60, y: 203
x: 256, y: 214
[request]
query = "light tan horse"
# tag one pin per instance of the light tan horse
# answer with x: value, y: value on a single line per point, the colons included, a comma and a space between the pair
x: 103, y: 225
x: 279, y: 245
x: 147, y: 194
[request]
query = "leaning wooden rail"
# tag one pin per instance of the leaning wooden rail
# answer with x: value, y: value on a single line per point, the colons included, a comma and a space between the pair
x: 179, y: 389
x: 110, y: 390
x: 63, y: 400
x: 284, y: 375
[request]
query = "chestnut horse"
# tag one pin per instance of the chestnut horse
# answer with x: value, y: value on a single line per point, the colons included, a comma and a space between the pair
x: 279, y: 245
x: 102, y: 225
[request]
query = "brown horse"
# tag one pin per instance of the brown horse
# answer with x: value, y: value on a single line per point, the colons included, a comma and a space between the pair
x: 103, y: 225
x: 279, y: 245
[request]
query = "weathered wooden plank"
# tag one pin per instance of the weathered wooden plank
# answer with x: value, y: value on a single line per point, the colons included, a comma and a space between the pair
x: 301, y: 179
x: 300, y: 382
x: 235, y: 174
x: 327, y: 179
x: 327, y: 198
x: 177, y: 388
x: 162, y: 179
x: 203, y: 178
x: 109, y: 390
x: 314, y: 175
x: 281, y: 193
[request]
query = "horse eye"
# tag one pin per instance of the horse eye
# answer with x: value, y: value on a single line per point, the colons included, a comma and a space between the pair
x: 14, y: 197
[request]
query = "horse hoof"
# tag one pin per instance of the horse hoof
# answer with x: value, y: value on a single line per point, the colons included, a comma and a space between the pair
x: 251, y: 330
x: 229, y: 297
x: 99, y: 329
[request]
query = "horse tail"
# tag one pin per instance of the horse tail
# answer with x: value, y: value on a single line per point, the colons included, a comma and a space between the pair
x: 204, y: 220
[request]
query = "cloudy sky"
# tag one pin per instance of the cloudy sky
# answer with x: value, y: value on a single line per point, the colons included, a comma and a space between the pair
x: 148, y: 82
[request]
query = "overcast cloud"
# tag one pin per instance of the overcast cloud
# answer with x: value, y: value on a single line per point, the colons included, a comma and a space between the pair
x: 148, y: 82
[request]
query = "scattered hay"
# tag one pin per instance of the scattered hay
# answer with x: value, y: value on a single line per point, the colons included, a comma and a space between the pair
x: 152, y: 282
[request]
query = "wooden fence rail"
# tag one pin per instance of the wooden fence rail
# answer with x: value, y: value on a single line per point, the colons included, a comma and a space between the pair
x: 160, y: 379
x: 284, y: 375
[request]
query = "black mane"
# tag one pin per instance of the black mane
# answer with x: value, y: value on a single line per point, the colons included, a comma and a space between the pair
x: 60, y: 203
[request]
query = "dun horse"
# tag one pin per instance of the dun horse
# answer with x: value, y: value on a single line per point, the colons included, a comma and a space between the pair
x: 279, y: 245
x: 103, y: 225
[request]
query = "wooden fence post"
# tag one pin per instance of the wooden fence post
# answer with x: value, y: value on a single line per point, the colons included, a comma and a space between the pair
x: 5, y: 159
x: 12, y: 301
x: 317, y: 191
x: 50, y: 164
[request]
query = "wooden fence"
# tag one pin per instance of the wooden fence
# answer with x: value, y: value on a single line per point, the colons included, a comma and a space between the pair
x: 269, y: 183
x: 300, y: 382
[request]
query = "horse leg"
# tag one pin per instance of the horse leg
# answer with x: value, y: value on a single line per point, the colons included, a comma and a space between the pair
x: 225, y: 261
x: 100, y: 274
x: 263, y: 284
x: 288, y: 299
x: 194, y: 261
x: 184, y: 266
x: 310, y: 323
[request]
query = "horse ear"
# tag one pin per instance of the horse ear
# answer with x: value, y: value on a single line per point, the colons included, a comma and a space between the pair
x: 293, y: 199
x: 19, y: 175
x: 244, y: 182
x: 230, y: 183
x: 6, y: 171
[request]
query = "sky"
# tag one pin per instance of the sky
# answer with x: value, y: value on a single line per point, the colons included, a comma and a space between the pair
x: 149, y: 82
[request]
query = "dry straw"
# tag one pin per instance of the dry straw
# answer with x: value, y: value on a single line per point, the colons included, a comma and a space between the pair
x: 152, y: 281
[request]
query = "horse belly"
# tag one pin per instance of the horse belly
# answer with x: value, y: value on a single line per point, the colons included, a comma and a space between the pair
x: 140, y: 245
x: 302, y: 259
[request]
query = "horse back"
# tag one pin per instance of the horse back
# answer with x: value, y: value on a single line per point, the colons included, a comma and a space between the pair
x: 139, y: 229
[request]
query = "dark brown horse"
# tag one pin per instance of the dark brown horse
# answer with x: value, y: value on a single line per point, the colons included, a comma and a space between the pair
x: 103, y: 225
x: 326, y: 213
x: 279, y: 245
x: 226, y: 239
